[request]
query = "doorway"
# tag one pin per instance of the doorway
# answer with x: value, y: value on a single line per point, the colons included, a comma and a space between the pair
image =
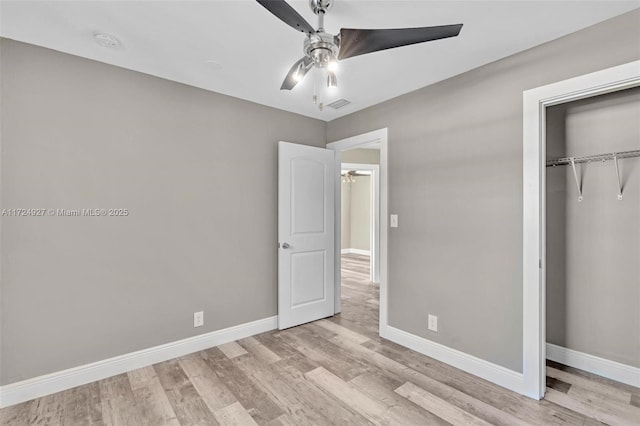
x: 360, y: 208
x: 534, y: 265
x: 363, y: 272
x: 359, y: 240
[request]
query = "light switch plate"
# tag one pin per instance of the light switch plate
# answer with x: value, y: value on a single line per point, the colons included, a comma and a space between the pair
x: 394, y: 221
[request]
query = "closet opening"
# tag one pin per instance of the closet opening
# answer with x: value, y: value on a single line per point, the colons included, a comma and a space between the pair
x: 593, y: 236
x: 586, y: 97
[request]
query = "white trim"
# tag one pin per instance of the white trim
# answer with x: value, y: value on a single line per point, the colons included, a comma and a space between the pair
x: 37, y: 387
x: 374, y: 270
x: 356, y: 251
x: 376, y: 136
x: 613, y: 370
x: 535, y: 102
x: 497, y: 374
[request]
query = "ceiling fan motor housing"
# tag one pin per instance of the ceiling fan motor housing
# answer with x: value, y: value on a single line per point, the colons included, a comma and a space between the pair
x: 320, y: 6
x: 321, y: 47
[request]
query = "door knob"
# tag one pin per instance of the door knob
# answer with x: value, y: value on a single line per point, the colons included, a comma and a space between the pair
x: 285, y: 245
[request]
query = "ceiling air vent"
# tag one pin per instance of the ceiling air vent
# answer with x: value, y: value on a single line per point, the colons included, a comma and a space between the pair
x: 339, y: 103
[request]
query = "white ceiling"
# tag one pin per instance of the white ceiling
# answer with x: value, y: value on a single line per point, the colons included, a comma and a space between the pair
x: 252, y: 50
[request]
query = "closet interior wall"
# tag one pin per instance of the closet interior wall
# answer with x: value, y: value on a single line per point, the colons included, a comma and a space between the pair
x: 593, y: 245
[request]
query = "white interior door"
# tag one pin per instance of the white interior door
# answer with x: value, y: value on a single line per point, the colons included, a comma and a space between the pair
x: 305, y: 233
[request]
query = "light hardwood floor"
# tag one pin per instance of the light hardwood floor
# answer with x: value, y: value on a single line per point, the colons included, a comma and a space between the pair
x: 334, y: 371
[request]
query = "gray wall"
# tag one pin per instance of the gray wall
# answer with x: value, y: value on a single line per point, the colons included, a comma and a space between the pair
x: 201, y: 234
x: 361, y: 213
x: 345, y: 216
x: 356, y: 214
x: 361, y: 241
x: 593, y: 246
x: 361, y: 156
x: 455, y: 179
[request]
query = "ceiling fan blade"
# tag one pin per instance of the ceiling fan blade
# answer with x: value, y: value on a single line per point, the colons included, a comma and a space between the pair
x: 354, y: 42
x: 287, y: 14
x: 296, y: 73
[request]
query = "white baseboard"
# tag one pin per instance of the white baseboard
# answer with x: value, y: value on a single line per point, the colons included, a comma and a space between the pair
x: 36, y: 387
x: 494, y: 373
x: 356, y: 251
x: 602, y: 367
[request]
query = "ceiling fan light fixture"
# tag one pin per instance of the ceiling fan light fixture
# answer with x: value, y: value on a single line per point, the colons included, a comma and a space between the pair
x: 297, y: 76
x: 333, y: 64
x: 332, y: 80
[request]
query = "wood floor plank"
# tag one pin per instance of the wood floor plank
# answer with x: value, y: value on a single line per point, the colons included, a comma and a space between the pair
x: 151, y: 398
x: 600, y: 413
x: 588, y: 396
x: 484, y: 411
x: 299, y: 399
x: 374, y: 410
x: 395, y: 369
x: 283, y: 420
x: 635, y: 400
x: 594, y: 377
x: 385, y: 347
x: 332, y: 409
x: 185, y: 400
x: 257, y: 403
x: 438, y: 406
x: 48, y: 410
x: 232, y: 350
x: 593, y: 422
x: 609, y: 391
x: 234, y: 415
x: 214, y: 394
x: 333, y: 358
x: 258, y: 350
x: 17, y: 415
x: 345, y: 332
x: 285, y: 351
x: 141, y: 376
x: 358, y: 323
x: 382, y: 388
x: 323, y: 333
x: 118, y: 404
x: 82, y: 406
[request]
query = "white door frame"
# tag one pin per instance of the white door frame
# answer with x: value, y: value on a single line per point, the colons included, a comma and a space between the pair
x: 535, y: 102
x: 374, y: 231
x: 370, y: 138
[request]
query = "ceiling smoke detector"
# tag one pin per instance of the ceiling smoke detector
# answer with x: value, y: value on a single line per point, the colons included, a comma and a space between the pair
x: 107, y: 40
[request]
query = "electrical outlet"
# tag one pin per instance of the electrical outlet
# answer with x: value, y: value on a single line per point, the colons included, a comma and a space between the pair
x: 198, y: 319
x: 433, y: 323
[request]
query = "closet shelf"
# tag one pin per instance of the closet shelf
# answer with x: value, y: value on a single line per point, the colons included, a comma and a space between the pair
x: 589, y: 158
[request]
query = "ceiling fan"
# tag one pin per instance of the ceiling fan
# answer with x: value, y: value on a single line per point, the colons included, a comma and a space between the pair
x: 323, y: 50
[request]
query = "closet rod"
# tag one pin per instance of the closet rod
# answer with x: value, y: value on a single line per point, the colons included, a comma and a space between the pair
x: 589, y: 158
